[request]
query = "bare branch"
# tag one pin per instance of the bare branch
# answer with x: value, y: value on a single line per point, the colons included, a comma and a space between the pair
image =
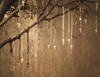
x: 35, y: 23
x: 12, y: 14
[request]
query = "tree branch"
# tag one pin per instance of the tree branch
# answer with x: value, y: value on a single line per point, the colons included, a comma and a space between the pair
x: 12, y: 14
x: 4, y: 6
x: 35, y: 23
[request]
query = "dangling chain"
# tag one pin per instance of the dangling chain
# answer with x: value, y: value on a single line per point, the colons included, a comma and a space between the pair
x: 80, y: 19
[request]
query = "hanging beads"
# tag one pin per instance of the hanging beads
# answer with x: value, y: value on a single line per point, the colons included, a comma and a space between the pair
x: 71, y: 45
x: 48, y: 28
x: 20, y: 49
x: 96, y: 21
x: 80, y: 19
x: 48, y: 34
x: 37, y: 46
x: 39, y: 36
x: 54, y: 41
x: 69, y: 23
x: 27, y: 48
x: 14, y: 55
x: 11, y: 59
x: 63, y: 38
x: 21, y: 54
